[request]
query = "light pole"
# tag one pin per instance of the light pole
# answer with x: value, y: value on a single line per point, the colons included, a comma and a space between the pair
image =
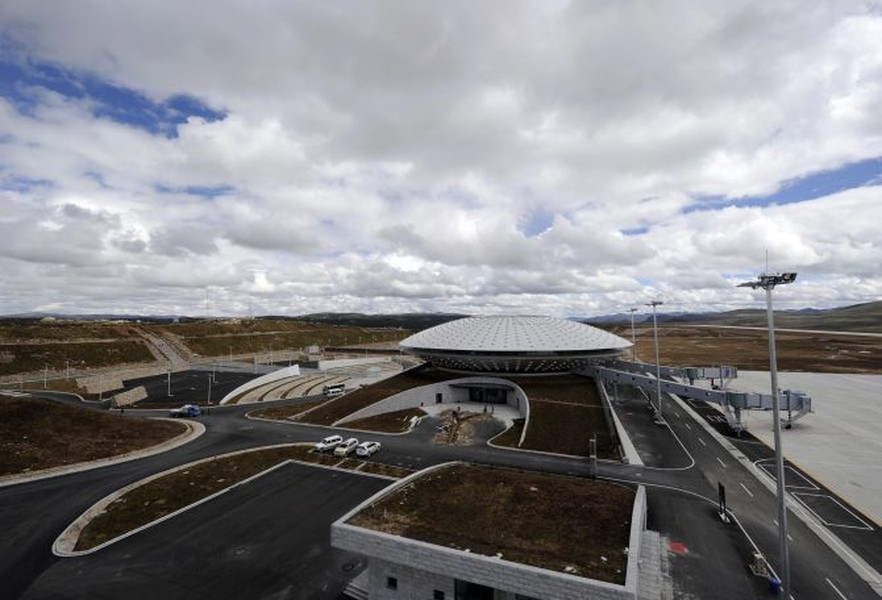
x: 168, y: 383
x: 659, y: 416
x: 768, y: 281
x: 633, y: 336
x: 209, y: 390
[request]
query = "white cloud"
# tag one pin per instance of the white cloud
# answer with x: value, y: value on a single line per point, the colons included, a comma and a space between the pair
x: 564, y: 158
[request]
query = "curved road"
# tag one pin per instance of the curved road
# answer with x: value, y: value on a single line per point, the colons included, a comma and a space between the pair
x: 252, y: 535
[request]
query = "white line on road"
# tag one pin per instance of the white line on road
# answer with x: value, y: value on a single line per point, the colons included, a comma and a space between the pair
x: 749, y: 493
x: 688, y: 426
x: 775, y: 521
x: 836, y: 589
x: 721, y: 462
x: 702, y: 442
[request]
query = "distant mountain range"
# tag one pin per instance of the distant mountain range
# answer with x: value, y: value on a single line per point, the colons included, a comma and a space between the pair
x: 860, y: 317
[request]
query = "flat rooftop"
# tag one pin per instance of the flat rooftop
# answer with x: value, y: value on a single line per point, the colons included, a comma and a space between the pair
x: 564, y: 524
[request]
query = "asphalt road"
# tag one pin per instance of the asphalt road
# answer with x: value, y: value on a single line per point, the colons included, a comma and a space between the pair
x: 269, y: 539
x: 256, y: 536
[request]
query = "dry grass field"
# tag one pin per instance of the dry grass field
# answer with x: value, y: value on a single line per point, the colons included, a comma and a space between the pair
x: 748, y: 349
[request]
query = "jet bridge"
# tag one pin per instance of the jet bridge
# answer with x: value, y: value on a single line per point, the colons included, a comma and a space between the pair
x: 642, y: 375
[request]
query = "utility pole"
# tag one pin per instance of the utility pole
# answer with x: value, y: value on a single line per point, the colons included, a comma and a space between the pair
x: 659, y: 415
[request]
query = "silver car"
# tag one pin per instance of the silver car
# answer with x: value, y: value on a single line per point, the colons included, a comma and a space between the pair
x: 367, y: 448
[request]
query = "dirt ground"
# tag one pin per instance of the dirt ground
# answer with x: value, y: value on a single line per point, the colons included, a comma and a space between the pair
x: 39, y: 434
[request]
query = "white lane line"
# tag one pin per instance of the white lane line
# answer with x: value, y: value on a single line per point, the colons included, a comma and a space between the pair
x: 749, y: 493
x: 702, y: 442
x: 775, y: 521
x: 721, y: 462
x: 688, y: 426
x: 836, y: 589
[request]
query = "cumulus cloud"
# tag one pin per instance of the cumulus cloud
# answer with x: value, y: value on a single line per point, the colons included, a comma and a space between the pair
x: 545, y: 157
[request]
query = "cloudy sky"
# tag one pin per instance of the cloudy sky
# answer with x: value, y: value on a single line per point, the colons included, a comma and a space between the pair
x: 558, y: 158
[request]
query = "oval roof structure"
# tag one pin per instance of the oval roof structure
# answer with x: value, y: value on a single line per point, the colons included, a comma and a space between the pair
x: 506, y: 344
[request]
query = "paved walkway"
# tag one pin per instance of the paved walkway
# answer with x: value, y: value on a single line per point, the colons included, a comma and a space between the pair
x: 839, y: 443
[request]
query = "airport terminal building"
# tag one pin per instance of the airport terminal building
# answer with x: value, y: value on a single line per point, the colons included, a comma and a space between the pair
x: 514, y: 345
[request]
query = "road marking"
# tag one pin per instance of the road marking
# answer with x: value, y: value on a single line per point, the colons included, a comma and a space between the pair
x: 775, y: 521
x: 702, y: 442
x: 721, y: 462
x: 688, y: 426
x: 801, y: 498
x: 749, y: 493
x: 836, y: 589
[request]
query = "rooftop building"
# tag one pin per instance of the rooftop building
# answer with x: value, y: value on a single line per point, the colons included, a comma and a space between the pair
x: 514, y: 344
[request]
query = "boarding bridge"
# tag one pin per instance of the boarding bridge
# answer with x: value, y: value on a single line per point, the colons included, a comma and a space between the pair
x: 642, y: 375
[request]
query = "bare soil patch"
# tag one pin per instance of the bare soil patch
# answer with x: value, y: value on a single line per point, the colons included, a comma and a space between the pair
x: 515, y: 514
x: 40, y: 434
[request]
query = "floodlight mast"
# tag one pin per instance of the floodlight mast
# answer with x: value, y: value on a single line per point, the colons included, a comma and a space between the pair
x: 767, y: 282
x: 659, y: 415
x: 633, y: 336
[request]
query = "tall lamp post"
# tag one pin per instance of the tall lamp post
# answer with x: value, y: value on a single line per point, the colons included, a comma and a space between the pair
x: 768, y: 281
x: 633, y: 336
x: 659, y: 416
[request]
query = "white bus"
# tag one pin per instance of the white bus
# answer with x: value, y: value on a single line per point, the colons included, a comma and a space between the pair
x: 335, y: 389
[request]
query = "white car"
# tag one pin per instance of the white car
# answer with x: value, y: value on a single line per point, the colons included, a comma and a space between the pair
x: 346, y: 448
x: 367, y: 448
x: 329, y: 443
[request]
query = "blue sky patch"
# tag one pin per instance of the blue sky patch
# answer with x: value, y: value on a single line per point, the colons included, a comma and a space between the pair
x: 204, y: 191
x: 634, y: 231
x: 22, y: 184
x: 22, y: 78
x: 824, y: 183
x: 536, y: 222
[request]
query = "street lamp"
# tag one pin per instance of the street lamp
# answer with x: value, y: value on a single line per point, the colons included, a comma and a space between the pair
x: 633, y: 336
x: 168, y: 391
x: 659, y: 416
x: 768, y: 281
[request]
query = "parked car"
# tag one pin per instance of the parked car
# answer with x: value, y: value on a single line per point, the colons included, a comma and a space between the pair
x: 187, y: 410
x: 329, y: 443
x: 346, y: 448
x: 367, y: 448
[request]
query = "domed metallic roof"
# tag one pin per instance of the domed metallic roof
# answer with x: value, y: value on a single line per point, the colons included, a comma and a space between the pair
x: 513, y: 344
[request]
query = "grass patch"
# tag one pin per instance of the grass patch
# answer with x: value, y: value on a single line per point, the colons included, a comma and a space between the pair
x: 34, y: 357
x: 391, y: 422
x: 567, y: 428
x: 511, y: 436
x: 283, y: 413
x: 518, y: 514
x: 174, y: 491
x: 39, y: 434
x: 347, y: 404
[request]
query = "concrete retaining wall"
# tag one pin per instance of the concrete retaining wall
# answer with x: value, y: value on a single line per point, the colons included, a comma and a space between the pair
x: 420, y: 567
x: 292, y: 371
x: 416, y: 397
